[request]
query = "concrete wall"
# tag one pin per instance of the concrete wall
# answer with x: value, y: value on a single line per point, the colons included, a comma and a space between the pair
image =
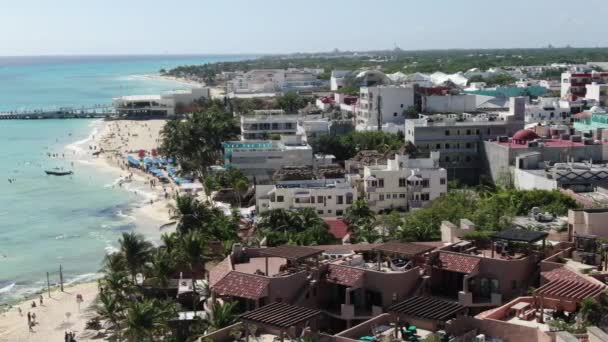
x: 365, y: 328
x: 507, y: 332
x: 588, y: 222
x: 597, y: 335
x: 399, y: 284
x: 449, y: 103
x: 525, y: 180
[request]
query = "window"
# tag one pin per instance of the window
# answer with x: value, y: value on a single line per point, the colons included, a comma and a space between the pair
x: 329, y: 211
x: 395, y: 114
x: 488, y: 131
x: 320, y: 212
x: 340, y: 199
x: 468, y: 132
x: 402, y: 182
x: 438, y: 146
x: 381, y: 197
x: 447, y: 132
x: 467, y: 158
x: 401, y: 195
x: 374, y: 183
x: 320, y: 199
x: 468, y: 145
x: 477, y: 131
x: 425, y: 197
x: 275, y: 126
x: 442, y: 181
x: 280, y: 198
x: 447, y: 146
x: 447, y: 159
x: 458, y: 132
x: 425, y: 183
x: 312, y: 199
x: 402, y: 105
x: 339, y: 212
x: 349, y: 198
x: 381, y: 182
x: 329, y: 197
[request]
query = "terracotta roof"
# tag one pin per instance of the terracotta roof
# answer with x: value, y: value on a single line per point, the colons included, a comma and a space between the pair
x: 525, y: 134
x: 570, y: 289
x: 347, y: 276
x: 280, y: 315
x: 242, y: 285
x: 337, y: 228
x: 291, y: 252
x: 562, y: 273
x: 403, y: 248
x: 458, y: 262
x: 219, y: 271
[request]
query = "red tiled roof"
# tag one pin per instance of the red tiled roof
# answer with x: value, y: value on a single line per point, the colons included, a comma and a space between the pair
x: 219, y: 271
x: 562, y: 273
x: 242, y: 285
x: 337, y: 228
x: 458, y: 262
x: 570, y: 289
x: 347, y: 276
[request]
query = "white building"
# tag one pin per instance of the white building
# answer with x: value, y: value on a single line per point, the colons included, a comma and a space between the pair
x: 328, y: 197
x: 337, y: 79
x: 548, y: 111
x: 383, y: 104
x: 273, y: 80
x: 263, y: 123
x: 162, y: 105
x: 598, y: 92
x: 315, y: 127
x: 261, y: 158
x: 404, y: 183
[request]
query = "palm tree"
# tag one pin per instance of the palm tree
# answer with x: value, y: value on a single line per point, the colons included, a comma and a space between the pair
x: 110, y: 308
x: 186, y: 214
x: 222, y: 315
x: 590, y: 310
x: 192, y: 251
x: 136, y: 251
x: 359, y: 213
x: 240, y: 188
x: 147, y: 319
x: 160, y: 269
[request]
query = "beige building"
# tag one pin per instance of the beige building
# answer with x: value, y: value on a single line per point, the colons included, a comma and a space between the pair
x: 588, y: 222
x: 404, y: 183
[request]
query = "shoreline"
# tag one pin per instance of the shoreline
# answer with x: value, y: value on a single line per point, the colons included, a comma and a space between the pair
x: 180, y: 80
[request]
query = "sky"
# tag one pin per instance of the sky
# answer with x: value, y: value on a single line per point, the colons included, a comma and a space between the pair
x: 66, y: 27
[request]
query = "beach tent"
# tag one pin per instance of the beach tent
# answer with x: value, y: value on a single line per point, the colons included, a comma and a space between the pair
x: 133, y: 161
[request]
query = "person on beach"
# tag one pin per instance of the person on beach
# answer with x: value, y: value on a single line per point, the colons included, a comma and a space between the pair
x: 33, y: 304
x: 33, y: 318
x: 20, y: 312
x: 29, y: 317
x: 41, y: 300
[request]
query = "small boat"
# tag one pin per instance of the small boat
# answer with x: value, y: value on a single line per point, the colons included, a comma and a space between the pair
x: 58, y: 173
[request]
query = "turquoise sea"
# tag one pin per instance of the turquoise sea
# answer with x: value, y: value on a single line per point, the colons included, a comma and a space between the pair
x: 73, y: 221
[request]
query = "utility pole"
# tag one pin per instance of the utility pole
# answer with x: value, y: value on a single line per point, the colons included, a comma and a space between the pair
x: 61, y: 277
x: 48, y: 284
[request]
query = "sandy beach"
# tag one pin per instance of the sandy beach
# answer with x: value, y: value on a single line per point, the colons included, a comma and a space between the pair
x: 119, y: 138
x: 58, y: 313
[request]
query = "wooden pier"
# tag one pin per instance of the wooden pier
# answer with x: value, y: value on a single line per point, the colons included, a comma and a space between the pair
x: 62, y: 113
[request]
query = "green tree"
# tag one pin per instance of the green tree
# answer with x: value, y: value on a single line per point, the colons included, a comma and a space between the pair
x: 148, y: 320
x: 136, y: 251
x: 290, y: 102
x: 160, y: 269
x: 223, y: 315
x: 193, y: 250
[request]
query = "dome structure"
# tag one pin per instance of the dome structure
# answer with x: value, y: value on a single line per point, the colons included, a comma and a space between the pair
x: 524, y: 135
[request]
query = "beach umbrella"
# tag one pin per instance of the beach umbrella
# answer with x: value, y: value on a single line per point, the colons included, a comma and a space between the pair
x: 154, y: 153
x: 141, y: 153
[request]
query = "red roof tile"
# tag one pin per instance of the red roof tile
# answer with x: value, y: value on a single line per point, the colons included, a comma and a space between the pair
x: 347, y: 276
x: 563, y: 273
x: 458, y: 262
x: 219, y: 271
x: 337, y: 228
x: 242, y: 285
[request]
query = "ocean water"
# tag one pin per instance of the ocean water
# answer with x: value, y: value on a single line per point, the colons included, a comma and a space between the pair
x: 51, y: 82
x: 74, y: 221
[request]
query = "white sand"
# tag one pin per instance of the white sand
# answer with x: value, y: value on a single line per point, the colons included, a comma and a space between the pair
x: 118, y: 138
x: 51, y: 316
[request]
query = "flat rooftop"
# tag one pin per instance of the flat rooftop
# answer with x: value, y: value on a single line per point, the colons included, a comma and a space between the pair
x: 546, y: 142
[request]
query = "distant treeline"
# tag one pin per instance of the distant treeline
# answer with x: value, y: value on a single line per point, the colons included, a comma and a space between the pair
x: 448, y: 61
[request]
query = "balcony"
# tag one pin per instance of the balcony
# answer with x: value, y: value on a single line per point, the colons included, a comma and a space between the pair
x: 415, y: 204
x: 414, y: 188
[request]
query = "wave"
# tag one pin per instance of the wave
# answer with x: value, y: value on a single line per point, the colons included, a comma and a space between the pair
x: 83, y: 278
x: 78, y: 146
x: 7, y: 288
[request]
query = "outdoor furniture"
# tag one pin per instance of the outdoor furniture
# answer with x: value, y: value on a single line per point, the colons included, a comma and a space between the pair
x: 520, y: 307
